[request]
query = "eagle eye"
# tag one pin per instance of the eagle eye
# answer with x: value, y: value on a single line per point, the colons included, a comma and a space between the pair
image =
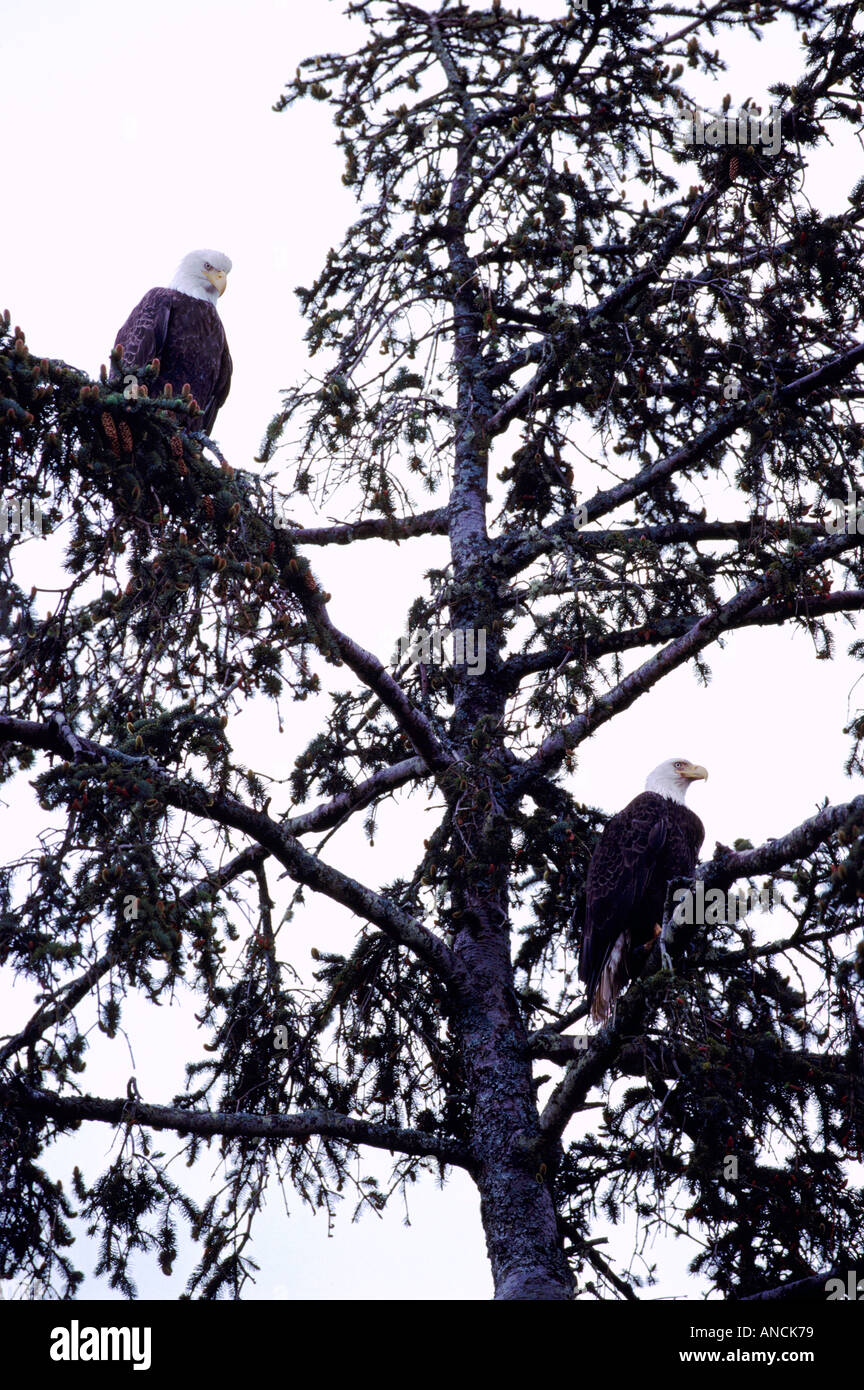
x: 207, y: 265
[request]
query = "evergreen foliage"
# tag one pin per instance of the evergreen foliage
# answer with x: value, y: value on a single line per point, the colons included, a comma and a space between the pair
x: 531, y: 297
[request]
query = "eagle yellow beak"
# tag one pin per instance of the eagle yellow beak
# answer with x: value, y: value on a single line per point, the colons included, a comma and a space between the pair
x: 693, y: 772
x: 218, y: 279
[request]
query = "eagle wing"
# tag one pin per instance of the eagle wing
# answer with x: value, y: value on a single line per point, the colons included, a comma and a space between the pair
x: 220, y: 394
x: 650, y: 842
x: 145, y: 332
x: 620, y: 877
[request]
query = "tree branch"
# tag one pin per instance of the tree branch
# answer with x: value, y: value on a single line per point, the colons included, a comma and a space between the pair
x: 816, y: 606
x: 800, y: 1290
x: 731, y: 420
x: 411, y: 720
x: 700, y: 635
x: 234, y: 1124
x: 396, y: 528
x: 548, y: 350
x: 593, y: 1064
x: 516, y: 551
x: 729, y: 865
x: 64, y: 999
x: 224, y: 810
x: 330, y: 813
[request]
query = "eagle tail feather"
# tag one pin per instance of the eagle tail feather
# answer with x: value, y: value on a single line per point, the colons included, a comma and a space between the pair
x: 613, y: 977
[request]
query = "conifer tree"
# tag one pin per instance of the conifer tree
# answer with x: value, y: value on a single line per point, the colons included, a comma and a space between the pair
x: 566, y: 328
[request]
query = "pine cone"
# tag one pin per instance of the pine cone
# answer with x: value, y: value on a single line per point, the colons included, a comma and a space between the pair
x: 111, y: 431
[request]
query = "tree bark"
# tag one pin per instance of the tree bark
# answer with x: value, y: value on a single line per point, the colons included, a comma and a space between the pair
x: 522, y: 1237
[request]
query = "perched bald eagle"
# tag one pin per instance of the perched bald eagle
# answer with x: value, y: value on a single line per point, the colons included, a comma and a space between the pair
x: 654, y: 839
x: 181, y: 326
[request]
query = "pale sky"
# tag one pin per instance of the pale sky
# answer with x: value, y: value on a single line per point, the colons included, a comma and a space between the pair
x: 143, y: 134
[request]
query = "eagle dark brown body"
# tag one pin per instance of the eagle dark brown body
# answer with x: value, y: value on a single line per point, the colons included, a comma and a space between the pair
x: 653, y: 840
x: 187, y: 336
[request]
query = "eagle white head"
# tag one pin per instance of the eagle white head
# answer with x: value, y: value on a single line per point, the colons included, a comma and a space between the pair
x: 673, y: 777
x: 202, y: 274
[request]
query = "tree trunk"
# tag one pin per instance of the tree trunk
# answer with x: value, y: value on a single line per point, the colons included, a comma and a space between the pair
x: 522, y: 1237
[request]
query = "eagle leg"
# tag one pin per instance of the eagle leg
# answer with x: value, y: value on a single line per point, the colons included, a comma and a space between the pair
x: 665, y: 957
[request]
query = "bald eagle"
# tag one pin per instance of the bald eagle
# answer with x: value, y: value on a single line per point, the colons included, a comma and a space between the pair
x: 181, y: 326
x: 654, y: 839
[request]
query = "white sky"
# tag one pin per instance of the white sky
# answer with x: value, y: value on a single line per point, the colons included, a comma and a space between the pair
x: 142, y: 134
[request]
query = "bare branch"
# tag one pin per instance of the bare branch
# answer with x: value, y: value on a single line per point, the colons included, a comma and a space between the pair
x: 516, y: 551
x: 396, y: 528
x: 807, y: 610
x: 412, y: 721
x: 729, y: 865
x: 330, y: 813
x: 234, y: 1124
